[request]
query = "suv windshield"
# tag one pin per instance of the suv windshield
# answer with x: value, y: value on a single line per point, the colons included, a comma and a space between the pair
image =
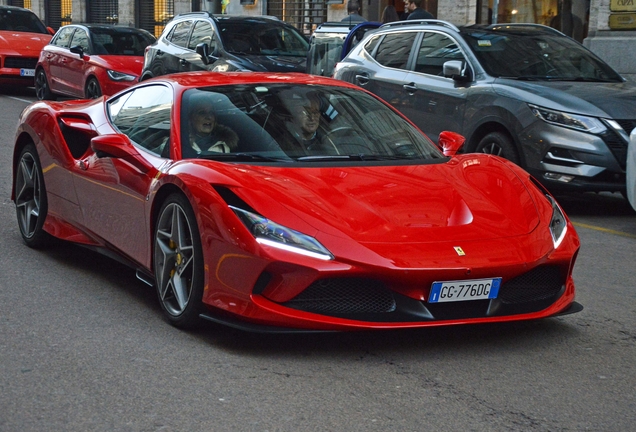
x: 265, y: 122
x: 531, y: 55
x: 20, y: 20
x: 261, y: 38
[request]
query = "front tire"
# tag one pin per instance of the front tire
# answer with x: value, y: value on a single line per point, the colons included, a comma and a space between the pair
x: 30, y: 199
x: 178, y: 262
x: 93, y: 89
x: 42, y: 89
x: 499, y: 144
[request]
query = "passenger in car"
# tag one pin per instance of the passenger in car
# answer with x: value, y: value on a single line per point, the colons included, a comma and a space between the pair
x: 206, y: 134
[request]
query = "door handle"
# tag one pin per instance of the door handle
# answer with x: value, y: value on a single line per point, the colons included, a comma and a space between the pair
x: 362, y: 79
x: 410, y: 88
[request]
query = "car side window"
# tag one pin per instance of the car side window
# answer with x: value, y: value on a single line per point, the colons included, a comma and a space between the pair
x: 180, y: 33
x: 144, y: 116
x: 436, y: 49
x: 394, y: 50
x: 63, y: 37
x: 80, y: 38
x: 202, y: 33
x: 372, y: 43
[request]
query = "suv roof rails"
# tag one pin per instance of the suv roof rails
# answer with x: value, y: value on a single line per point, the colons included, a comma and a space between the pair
x: 525, y: 25
x: 421, y: 21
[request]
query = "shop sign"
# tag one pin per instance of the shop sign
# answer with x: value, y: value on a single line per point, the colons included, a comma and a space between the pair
x: 622, y: 21
x: 623, y: 5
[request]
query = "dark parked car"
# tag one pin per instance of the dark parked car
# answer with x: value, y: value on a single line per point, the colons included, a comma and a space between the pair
x: 202, y: 41
x: 523, y: 91
x: 88, y: 60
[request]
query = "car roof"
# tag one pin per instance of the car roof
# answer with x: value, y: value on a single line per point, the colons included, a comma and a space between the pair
x: 201, y: 79
x: 517, y: 28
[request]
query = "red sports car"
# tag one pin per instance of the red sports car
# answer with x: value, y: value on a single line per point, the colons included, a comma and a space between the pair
x: 22, y: 36
x: 290, y: 202
x: 90, y: 60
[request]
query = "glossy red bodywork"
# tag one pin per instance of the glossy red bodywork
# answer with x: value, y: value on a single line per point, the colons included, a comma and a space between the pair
x: 396, y: 224
x: 67, y: 73
x: 23, y: 49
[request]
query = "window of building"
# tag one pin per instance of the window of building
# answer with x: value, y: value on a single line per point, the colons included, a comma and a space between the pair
x: 302, y: 14
x: 154, y: 15
x: 58, y: 13
x: 102, y: 11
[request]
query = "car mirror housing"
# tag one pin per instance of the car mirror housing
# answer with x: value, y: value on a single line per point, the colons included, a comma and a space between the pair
x: 203, y: 50
x: 78, y: 50
x: 119, y: 146
x: 450, y: 142
x: 455, y: 69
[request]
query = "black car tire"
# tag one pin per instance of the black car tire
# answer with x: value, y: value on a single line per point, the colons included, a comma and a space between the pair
x: 499, y: 144
x: 42, y: 89
x: 31, y: 202
x: 92, y: 89
x: 178, y: 262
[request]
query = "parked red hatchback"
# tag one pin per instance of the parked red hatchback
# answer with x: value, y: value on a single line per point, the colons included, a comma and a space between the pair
x: 90, y: 60
x: 22, y: 36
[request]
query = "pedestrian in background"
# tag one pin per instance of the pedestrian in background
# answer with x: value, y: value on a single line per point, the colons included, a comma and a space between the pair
x: 389, y: 14
x: 353, y: 9
x: 416, y: 11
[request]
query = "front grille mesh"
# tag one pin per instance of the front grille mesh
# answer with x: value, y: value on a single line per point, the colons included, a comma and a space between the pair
x: 538, y: 284
x: 344, y: 296
x: 20, y: 62
x: 617, y: 146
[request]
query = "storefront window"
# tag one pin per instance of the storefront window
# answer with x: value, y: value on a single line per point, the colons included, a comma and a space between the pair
x: 568, y: 16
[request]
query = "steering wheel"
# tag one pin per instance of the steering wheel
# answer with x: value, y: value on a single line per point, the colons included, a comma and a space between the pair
x: 337, y: 139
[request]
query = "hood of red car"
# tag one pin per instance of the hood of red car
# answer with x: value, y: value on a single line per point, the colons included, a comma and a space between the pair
x: 120, y: 63
x: 23, y: 43
x: 471, y: 197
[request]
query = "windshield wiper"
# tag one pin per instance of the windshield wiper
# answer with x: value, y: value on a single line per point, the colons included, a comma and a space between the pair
x: 242, y: 157
x: 353, y: 157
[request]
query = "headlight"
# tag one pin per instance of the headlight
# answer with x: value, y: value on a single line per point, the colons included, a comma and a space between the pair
x: 568, y: 120
x: 275, y: 235
x: 558, y: 225
x: 119, y: 76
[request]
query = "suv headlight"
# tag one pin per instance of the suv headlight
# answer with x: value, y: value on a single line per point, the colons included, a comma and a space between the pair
x: 272, y: 234
x: 120, y: 76
x: 569, y: 120
x: 558, y: 224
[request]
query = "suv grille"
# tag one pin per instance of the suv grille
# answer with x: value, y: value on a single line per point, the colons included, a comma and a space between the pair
x: 344, y: 296
x: 617, y: 146
x: 20, y: 62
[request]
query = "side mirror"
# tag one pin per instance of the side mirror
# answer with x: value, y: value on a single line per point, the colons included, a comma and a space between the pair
x: 456, y: 70
x: 203, y: 50
x: 78, y: 50
x: 119, y: 146
x: 450, y: 142
x: 50, y: 30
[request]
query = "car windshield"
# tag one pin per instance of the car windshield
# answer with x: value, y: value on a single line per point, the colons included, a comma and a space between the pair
x: 22, y: 21
x: 115, y: 41
x: 524, y: 55
x: 308, y: 123
x: 261, y: 38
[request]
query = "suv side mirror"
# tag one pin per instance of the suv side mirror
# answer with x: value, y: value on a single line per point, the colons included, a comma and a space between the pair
x: 203, y: 50
x: 455, y: 69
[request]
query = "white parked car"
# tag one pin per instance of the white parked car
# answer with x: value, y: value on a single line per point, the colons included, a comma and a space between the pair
x: 631, y: 169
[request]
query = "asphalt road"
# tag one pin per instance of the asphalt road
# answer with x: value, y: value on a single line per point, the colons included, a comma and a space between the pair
x: 84, y: 347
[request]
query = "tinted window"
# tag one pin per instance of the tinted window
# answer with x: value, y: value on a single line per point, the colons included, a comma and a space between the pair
x: 262, y: 38
x: 394, y: 50
x: 435, y: 49
x: 22, y: 21
x: 305, y: 122
x: 80, y: 38
x: 180, y: 33
x: 144, y: 115
x: 536, y: 56
x: 63, y: 37
x: 202, y: 33
x: 373, y: 42
x: 116, y: 41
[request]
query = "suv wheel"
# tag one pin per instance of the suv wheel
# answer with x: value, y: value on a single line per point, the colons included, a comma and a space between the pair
x: 499, y: 144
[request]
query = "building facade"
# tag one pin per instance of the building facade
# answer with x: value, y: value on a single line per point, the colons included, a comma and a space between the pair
x: 607, y: 27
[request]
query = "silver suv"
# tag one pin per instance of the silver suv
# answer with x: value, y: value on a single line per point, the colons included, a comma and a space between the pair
x: 522, y: 91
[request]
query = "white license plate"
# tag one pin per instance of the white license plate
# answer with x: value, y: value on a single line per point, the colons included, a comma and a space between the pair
x: 463, y: 290
x: 27, y: 72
